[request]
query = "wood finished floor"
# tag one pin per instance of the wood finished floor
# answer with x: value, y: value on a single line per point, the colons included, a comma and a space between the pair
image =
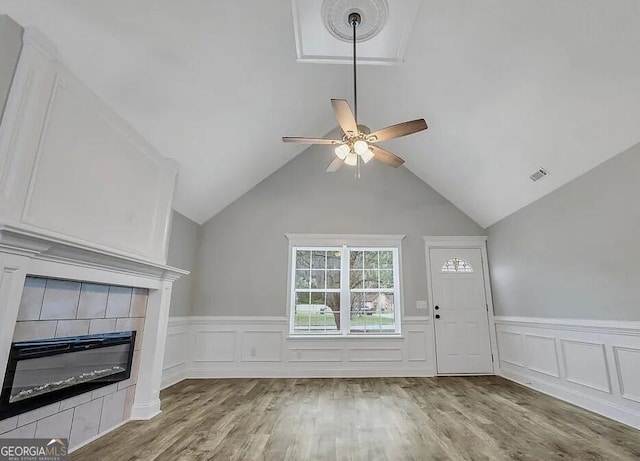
x: 364, y: 419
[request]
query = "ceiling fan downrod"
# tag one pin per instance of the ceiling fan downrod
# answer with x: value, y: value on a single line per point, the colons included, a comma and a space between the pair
x: 355, y: 19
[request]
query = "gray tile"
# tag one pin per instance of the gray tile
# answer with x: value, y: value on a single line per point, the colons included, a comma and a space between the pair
x: 102, y: 326
x: 102, y: 391
x: 93, y: 301
x: 128, y: 402
x: 38, y: 413
x: 86, y: 422
x: 119, y: 302
x: 31, y: 301
x: 35, y: 329
x: 23, y: 432
x: 130, y: 324
x: 139, y: 302
x: 57, y: 426
x: 75, y: 401
x: 8, y: 424
x: 60, y: 300
x: 136, y: 324
x: 113, y: 410
x: 72, y: 328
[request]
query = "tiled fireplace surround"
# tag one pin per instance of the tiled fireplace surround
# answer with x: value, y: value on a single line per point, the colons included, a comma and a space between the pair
x: 50, y: 286
x: 56, y: 308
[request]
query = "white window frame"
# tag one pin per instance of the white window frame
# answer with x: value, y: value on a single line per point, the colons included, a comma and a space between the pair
x: 345, y: 242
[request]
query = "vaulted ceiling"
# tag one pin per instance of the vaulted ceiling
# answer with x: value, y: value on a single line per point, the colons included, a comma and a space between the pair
x: 507, y: 86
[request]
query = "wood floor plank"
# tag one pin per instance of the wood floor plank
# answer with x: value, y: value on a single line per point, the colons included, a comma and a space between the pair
x: 451, y: 418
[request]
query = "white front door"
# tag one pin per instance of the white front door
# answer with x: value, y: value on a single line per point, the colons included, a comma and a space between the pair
x: 460, y: 311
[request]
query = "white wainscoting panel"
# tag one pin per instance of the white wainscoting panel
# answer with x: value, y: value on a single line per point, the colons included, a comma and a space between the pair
x: 541, y: 354
x: 585, y: 363
x: 511, y: 344
x: 222, y: 347
x: 592, y: 364
x: 262, y: 346
x: 214, y: 346
x: 628, y: 368
x: 176, y: 352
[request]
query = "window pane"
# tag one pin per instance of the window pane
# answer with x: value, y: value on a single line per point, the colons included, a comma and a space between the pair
x: 317, y: 279
x: 355, y: 260
x: 333, y: 259
x: 301, y: 315
x: 456, y: 265
x: 372, y: 313
x: 318, y: 298
x: 386, y: 260
x: 303, y: 259
x: 319, y: 260
x: 313, y: 314
x: 333, y: 279
x: 371, y: 279
x: 356, y: 279
x: 303, y: 278
x: 371, y: 260
x: 386, y: 278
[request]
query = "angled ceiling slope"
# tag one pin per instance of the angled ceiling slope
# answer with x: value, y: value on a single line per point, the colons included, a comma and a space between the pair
x: 506, y: 86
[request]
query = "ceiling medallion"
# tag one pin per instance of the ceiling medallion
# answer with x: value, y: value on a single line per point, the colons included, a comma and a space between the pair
x: 335, y: 14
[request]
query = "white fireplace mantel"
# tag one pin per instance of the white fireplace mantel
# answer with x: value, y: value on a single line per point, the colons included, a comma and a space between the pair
x: 25, y: 253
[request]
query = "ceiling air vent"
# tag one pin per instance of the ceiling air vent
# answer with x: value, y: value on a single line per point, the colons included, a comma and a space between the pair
x: 539, y: 174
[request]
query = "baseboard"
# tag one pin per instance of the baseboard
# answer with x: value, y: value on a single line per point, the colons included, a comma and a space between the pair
x: 171, y: 376
x: 579, y: 399
x: 311, y: 373
x: 145, y: 412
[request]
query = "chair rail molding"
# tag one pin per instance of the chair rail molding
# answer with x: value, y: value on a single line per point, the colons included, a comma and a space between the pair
x: 594, y: 364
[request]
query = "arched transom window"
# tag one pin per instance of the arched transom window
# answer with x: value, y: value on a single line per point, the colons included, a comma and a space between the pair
x: 456, y: 265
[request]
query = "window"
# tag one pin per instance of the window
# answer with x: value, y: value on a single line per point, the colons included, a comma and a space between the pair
x: 456, y: 265
x: 344, y: 290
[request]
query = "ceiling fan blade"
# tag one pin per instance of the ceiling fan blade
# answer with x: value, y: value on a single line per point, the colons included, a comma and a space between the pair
x: 345, y: 117
x: 335, y: 165
x: 401, y: 129
x: 386, y: 157
x: 302, y: 140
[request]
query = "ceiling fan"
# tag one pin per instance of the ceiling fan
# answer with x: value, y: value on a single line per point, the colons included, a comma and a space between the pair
x: 358, y: 144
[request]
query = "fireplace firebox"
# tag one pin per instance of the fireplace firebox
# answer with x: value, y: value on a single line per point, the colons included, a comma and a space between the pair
x: 45, y: 371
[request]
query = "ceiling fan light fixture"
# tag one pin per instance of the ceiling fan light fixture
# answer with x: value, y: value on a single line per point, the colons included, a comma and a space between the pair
x: 351, y: 159
x: 342, y: 151
x: 368, y: 155
x: 360, y: 147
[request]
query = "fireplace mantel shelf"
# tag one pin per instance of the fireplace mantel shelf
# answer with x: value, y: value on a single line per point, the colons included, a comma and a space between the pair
x: 43, y: 246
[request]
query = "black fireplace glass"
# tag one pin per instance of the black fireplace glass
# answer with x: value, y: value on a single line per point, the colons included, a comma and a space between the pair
x: 45, y: 371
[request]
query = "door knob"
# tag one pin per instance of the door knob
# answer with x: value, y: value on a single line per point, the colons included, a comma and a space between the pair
x: 437, y: 307
x: 437, y: 316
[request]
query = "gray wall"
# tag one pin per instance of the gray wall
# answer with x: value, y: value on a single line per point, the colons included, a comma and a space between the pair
x: 242, y: 263
x: 10, y: 47
x: 575, y: 252
x: 182, y: 254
